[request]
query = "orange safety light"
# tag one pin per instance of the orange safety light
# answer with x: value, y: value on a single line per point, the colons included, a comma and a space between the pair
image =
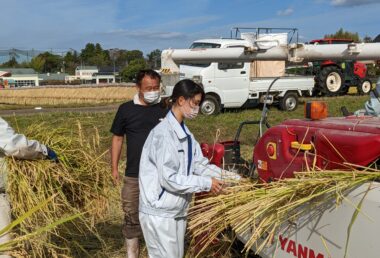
x: 315, y: 110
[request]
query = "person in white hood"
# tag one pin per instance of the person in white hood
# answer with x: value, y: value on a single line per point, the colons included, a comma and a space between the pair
x: 372, y: 106
x: 172, y: 167
x: 17, y: 146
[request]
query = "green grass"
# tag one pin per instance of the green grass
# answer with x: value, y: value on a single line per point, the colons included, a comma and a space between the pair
x: 204, y: 128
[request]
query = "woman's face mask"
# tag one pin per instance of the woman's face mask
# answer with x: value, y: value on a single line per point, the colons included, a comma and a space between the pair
x: 151, y: 97
x: 189, y: 110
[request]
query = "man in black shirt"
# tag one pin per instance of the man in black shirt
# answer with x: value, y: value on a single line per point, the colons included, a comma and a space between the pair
x: 135, y: 119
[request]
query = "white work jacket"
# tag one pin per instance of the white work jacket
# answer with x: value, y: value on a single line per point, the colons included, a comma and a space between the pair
x: 372, y: 106
x: 18, y: 146
x: 166, y: 178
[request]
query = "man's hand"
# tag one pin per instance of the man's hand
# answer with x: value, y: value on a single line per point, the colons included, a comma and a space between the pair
x: 216, y: 186
x: 51, y: 155
x: 116, y: 177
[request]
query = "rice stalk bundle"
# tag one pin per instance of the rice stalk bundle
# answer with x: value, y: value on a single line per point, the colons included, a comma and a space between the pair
x: 259, y: 209
x: 79, y: 182
x: 9, y: 246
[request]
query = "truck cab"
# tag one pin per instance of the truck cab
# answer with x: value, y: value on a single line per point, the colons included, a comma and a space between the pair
x: 226, y: 84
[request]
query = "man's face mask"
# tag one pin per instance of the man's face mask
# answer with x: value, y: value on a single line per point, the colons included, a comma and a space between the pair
x: 151, y: 97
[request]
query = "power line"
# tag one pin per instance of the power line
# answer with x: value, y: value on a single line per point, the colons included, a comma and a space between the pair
x: 28, y: 54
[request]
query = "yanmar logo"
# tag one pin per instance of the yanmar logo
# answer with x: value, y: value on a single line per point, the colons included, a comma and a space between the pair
x: 299, y: 250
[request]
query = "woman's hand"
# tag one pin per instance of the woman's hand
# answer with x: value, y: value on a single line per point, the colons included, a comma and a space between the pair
x: 216, y: 186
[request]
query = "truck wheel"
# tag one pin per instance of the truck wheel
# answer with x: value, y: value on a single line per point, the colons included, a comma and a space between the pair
x: 364, y: 87
x: 210, y: 106
x: 330, y: 81
x: 289, y: 102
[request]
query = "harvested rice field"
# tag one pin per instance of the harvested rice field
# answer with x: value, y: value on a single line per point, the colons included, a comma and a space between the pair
x: 63, y: 96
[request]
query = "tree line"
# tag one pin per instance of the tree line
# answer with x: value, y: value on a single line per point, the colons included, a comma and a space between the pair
x: 127, y: 62
x: 343, y: 34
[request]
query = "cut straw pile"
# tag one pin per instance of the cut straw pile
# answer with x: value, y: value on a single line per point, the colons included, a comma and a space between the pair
x: 259, y: 209
x: 78, y: 184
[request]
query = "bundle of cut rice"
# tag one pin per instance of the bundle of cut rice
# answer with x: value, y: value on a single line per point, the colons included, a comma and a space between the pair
x: 258, y: 209
x: 80, y: 184
x: 14, y: 245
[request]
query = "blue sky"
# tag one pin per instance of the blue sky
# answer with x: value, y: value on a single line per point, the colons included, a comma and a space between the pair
x: 149, y: 24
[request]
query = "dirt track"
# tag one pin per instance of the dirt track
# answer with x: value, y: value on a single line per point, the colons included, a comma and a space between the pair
x: 108, y: 108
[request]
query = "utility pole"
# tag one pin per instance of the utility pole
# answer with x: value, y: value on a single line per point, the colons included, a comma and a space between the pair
x: 114, y: 69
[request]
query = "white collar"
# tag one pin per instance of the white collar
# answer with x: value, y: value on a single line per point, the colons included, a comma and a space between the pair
x: 136, y: 100
x: 178, y: 129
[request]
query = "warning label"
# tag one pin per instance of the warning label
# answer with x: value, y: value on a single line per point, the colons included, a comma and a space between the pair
x: 262, y: 164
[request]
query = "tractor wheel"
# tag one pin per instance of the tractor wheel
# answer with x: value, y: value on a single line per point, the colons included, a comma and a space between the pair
x: 210, y: 106
x: 330, y: 81
x: 364, y: 87
x: 289, y: 102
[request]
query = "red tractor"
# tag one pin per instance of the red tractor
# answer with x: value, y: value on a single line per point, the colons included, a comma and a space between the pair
x: 334, y: 78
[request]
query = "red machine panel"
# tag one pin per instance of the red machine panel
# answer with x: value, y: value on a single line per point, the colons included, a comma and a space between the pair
x: 214, y: 153
x: 333, y: 142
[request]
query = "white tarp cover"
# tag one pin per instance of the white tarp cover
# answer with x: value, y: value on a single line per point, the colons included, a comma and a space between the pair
x: 266, y: 40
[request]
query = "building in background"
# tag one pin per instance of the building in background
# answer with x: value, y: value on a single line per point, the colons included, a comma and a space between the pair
x: 91, y: 74
x: 52, y: 78
x: 18, y: 77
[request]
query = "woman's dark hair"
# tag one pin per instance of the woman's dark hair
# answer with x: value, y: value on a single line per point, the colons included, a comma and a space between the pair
x: 187, y: 89
x: 147, y: 72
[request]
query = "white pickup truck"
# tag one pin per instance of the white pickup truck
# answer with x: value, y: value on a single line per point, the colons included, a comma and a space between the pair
x: 244, y: 84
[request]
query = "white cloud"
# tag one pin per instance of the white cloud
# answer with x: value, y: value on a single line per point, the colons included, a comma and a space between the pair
x: 352, y: 2
x: 286, y: 12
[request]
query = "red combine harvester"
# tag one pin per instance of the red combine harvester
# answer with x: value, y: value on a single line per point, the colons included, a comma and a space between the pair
x: 328, y: 143
x: 295, y: 144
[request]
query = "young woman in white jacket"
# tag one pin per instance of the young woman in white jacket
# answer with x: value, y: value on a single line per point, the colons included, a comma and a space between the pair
x: 172, y: 168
